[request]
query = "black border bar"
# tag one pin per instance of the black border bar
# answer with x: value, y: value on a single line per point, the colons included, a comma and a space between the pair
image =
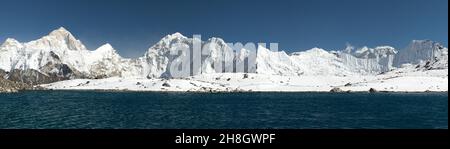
x: 166, y: 137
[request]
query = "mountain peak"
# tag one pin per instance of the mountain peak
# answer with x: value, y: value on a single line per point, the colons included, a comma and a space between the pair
x: 216, y: 39
x: 317, y: 49
x: 11, y: 42
x: 424, y: 45
x: 421, y: 50
x: 105, y: 47
x: 377, y: 52
x: 60, y: 31
x: 106, y: 50
x: 173, y: 36
x: 60, y: 38
x: 313, y: 51
x: 177, y: 34
x: 421, y: 41
x: 426, y: 42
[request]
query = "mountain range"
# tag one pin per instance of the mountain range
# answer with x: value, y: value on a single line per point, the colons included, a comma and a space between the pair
x: 60, y: 56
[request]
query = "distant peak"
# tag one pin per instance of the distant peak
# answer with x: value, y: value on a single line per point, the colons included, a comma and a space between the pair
x: 60, y: 32
x: 385, y: 47
x: 215, y: 39
x: 12, y: 40
x: 314, y: 50
x: 317, y: 49
x: 424, y: 40
x: 62, y: 29
x: 107, y: 46
x: 175, y: 36
x: 62, y: 38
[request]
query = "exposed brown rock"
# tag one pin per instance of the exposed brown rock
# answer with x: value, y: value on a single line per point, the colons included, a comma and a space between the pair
x: 7, y: 86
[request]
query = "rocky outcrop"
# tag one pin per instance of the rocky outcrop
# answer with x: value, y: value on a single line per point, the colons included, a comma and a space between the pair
x: 336, y: 90
x: 62, y: 71
x: 31, y: 77
x: 7, y: 86
x: 2, y: 73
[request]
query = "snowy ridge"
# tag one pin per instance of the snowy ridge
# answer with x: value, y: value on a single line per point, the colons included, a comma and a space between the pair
x: 318, y: 62
x: 60, y: 47
x: 276, y: 63
x: 419, y: 51
x: 60, y: 56
x: 158, y: 58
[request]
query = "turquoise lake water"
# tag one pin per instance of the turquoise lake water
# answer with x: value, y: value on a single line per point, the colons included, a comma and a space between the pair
x: 158, y: 110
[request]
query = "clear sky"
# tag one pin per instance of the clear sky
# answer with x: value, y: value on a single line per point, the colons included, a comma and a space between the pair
x: 132, y: 26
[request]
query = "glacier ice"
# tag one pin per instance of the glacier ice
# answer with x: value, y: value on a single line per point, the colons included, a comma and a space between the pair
x: 60, y: 54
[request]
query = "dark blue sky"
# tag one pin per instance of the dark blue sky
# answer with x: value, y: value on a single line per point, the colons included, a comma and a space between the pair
x: 132, y: 26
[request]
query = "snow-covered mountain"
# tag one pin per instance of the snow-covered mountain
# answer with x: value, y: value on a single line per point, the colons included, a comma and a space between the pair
x: 159, y: 58
x: 60, y: 56
x: 423, y: 53
x: 276, y: 63
x: 420, y: 50
x: 104, y: 62
x: 316, y: 61
x: 369, y: 60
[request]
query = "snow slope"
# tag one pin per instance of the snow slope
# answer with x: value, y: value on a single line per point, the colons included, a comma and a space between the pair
x: 276, y: 63
x: 241, y: 82
x: 318, y: 62
x: 59, y: 54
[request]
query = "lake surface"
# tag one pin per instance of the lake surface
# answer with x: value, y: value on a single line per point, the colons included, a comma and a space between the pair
x: 157, y: 110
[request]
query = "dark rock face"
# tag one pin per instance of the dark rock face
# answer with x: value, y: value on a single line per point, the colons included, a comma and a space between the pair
x: 54, y: 72
x: 61, y: 71
x: 51, y: 72
x: 165, y: 84
x: 245, y: 76
x: 55, y: 56
x: 7, y: 86
x: 2, y: 73
x: 336, y: 90
x: 434, y: 64
x: 30, y: 76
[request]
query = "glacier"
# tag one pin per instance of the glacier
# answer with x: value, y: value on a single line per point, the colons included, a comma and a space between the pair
x: 59, y: 56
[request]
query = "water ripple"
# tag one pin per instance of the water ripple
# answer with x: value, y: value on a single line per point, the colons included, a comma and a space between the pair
x: 83, y: 109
